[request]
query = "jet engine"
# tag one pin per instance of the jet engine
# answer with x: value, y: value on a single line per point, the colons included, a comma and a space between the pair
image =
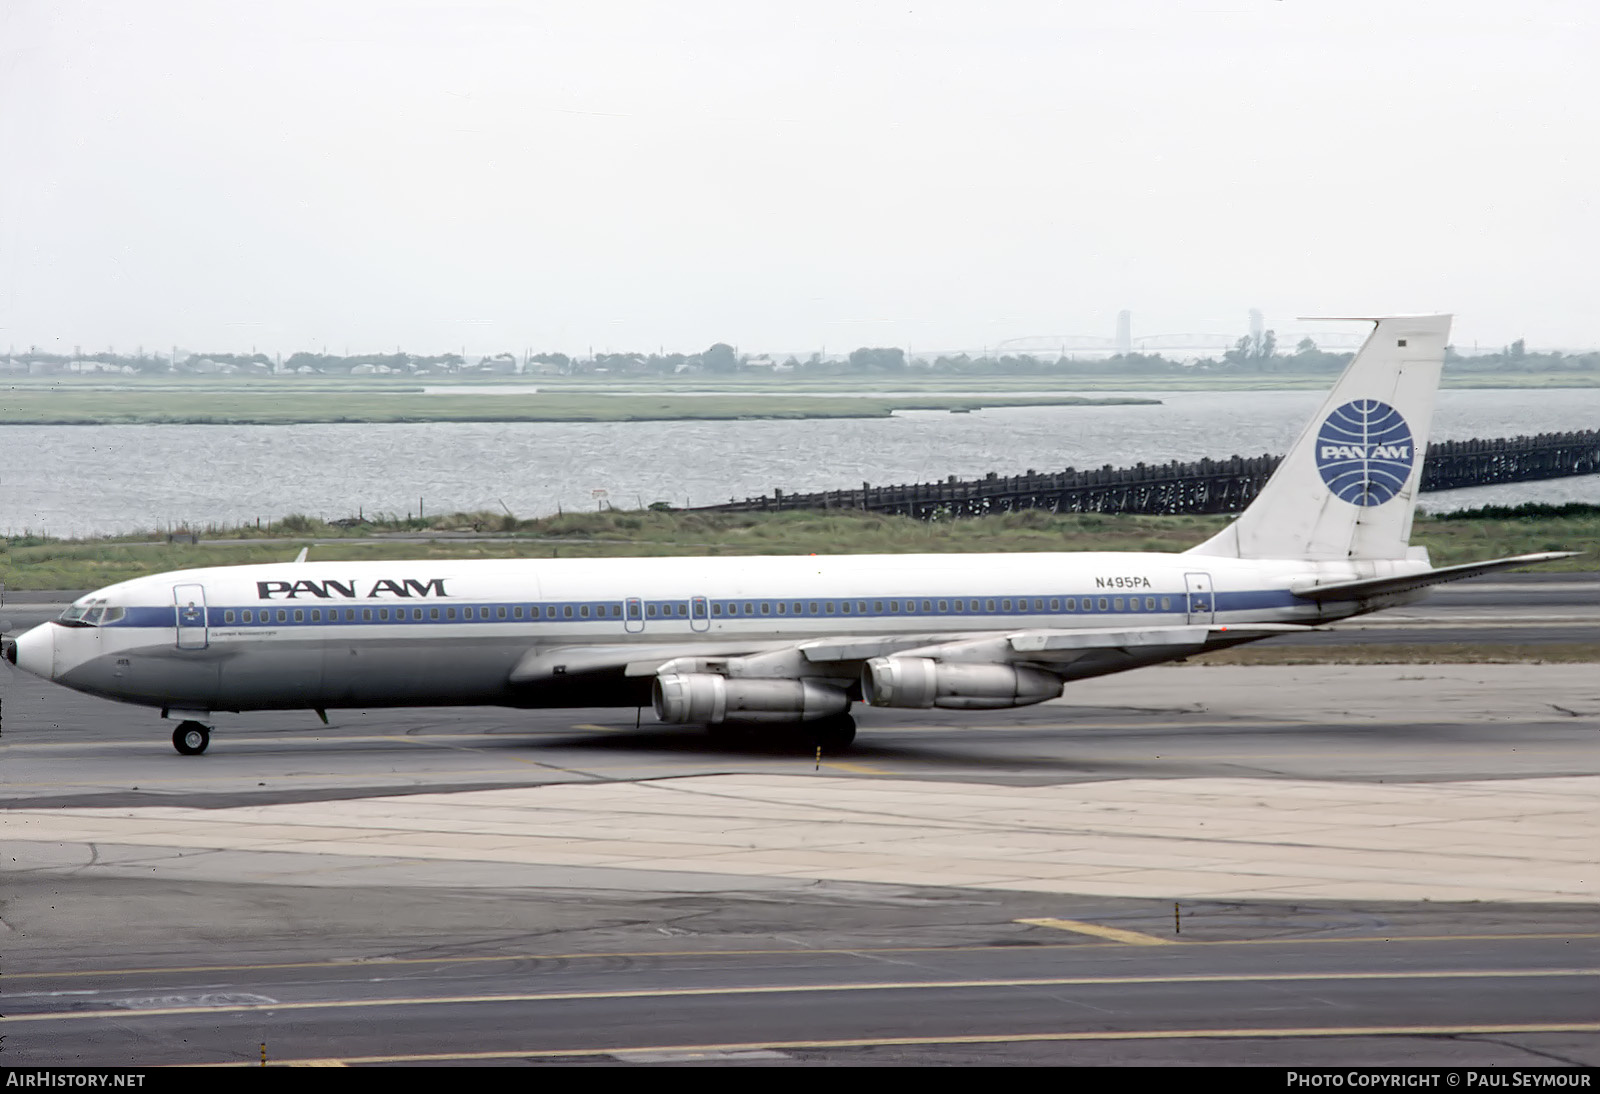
x: 700, y: 698
x: 923, y: 682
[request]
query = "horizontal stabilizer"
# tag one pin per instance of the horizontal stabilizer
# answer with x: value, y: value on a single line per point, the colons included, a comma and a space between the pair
x: 1381, y: 586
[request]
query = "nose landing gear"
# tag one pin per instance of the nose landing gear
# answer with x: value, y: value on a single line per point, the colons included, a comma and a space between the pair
x: 191, y: 738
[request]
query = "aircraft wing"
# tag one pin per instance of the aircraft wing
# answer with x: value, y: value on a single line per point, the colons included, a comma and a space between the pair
x: 843, y: 656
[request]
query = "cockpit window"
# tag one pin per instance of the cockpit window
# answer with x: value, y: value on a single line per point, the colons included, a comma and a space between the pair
x: 89, y: 613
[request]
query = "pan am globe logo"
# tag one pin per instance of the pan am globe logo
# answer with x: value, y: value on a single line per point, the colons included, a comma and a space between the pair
x: 1365, y: 452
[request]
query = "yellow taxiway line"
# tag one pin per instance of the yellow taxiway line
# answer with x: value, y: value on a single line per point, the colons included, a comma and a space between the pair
x: 469, y: 959
x: 127, y: 1014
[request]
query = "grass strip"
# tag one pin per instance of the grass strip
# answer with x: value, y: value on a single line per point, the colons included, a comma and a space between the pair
x: 286, y: 406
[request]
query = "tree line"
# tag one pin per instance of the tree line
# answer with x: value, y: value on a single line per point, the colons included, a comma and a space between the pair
x: 1258, y: 355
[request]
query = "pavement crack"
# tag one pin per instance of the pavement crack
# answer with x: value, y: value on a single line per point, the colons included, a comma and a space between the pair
x: 1566, y: 1061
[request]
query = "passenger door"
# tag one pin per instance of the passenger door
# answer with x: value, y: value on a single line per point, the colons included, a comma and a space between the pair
x: 190, y: 604
x: 1202, y: 605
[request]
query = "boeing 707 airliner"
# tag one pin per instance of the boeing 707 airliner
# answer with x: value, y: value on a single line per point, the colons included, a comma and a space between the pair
x: 785, y: 641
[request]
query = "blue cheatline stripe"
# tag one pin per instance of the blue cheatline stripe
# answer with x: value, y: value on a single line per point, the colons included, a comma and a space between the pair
x: 766, y: 609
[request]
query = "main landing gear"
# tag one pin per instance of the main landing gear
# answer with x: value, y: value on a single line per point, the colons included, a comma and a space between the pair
x: 191, y: 738
x: 833, y: 734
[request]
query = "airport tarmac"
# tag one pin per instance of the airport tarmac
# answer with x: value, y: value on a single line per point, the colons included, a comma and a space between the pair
x: 1184, y: 864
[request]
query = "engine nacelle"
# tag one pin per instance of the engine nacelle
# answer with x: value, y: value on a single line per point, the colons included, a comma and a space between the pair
x: 922, y: 682
x: 699, y: 698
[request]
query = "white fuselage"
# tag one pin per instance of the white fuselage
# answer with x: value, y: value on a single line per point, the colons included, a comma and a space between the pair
x: 344, y: 634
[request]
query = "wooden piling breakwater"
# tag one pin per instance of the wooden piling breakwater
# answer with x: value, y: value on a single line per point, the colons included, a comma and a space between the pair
x: 1203, y: 486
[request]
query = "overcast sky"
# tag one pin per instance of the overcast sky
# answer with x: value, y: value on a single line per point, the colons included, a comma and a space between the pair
x: 495, y: 176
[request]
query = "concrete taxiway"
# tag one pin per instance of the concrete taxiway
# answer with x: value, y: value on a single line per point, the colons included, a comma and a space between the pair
x: 1218, y: 864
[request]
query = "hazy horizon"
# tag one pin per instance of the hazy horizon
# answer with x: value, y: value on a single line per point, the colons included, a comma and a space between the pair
x: 366, y: 175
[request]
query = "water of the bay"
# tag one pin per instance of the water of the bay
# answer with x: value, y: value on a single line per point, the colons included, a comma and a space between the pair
x: 83, y: 480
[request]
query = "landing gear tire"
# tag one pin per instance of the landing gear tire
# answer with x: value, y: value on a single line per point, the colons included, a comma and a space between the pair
x: 191, y: 738
x: 834, y: 734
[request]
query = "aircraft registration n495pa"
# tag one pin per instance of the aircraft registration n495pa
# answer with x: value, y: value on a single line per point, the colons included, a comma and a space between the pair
x: 785, y: 642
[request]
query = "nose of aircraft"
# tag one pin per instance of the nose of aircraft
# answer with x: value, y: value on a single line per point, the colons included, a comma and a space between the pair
x: 33, y: 651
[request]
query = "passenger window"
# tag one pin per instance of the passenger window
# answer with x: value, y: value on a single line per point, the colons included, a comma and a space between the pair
x: 383, y: 613
x: 972, y: 605
x: 299, y: 615
x: 366, y: 615
x: 894, y: 605
x: 227, y: 617
x: 466, y: 613
x: 1118, y: 604
x: 1055, y: 603
x: 316, y: 615
x: 549, y: 611
x: 960, y: 605
x: 844, y: 607
x: 813, y: 607
x: 1038, y: 605
x: 1166, y: 603
x: 283, y: 616
x: 499, y: 612
x: 1133, y: 604
x: 566, y: 611
x: 1103, y: 603
x: 584, y: 611
x: 1149, y: 603
x: 781, y: 607
x: 927, y: 605
x: 433, y: 613
x: 766, y: 608
x: 877, y: 606
x: 829, y: 605
x: 449, y: 613
x: 749, y: 608
x: 716, y: 609
x: 650, y: 610
x: 944, y: 605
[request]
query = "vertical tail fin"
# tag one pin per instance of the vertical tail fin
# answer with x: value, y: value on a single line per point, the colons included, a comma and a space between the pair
x: 1348, y: 487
